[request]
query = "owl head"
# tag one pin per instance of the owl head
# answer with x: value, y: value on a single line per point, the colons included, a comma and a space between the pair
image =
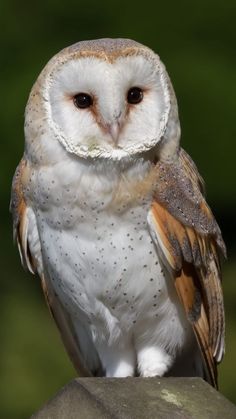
x: 108, y: 98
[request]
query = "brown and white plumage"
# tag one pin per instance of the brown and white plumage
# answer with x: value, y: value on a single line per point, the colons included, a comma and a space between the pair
x: 116, y: 225
x: 190, y: 240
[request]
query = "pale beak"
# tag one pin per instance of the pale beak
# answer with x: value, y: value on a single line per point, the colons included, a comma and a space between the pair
x: 114, y: 131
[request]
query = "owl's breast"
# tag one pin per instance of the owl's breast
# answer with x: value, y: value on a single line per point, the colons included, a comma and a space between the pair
x: 101, y: 259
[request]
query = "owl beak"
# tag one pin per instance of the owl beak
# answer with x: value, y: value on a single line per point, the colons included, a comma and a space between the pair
x: 114, y: 131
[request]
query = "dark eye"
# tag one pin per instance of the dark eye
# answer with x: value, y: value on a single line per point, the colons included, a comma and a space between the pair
x: 135, y: 95
x: 83, y: 100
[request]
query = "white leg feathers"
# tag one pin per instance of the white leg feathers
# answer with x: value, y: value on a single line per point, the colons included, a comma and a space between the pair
x: 153, y: 361
x: 118, y: 362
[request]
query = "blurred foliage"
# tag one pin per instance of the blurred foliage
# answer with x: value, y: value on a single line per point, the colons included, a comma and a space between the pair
x: 196, y: 40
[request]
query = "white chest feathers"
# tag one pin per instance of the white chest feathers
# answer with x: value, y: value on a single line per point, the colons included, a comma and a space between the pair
x: 103, y: 264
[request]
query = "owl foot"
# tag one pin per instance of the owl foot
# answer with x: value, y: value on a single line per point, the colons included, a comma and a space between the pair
x: 120, y: 369
x: 118, y: 362
x: 153, y: 361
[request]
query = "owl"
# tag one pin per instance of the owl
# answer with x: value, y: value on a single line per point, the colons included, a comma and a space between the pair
x: 110, y: 212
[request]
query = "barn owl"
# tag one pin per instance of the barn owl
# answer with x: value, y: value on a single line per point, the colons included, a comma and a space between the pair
x: 110, y: 212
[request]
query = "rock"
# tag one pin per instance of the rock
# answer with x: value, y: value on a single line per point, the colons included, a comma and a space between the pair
x: 137, y: 398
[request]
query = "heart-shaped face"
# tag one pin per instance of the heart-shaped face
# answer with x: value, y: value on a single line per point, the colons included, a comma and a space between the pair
x: 107, y: 98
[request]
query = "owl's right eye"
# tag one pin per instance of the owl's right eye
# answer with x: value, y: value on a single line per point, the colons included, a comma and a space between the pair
x: 82, y: 100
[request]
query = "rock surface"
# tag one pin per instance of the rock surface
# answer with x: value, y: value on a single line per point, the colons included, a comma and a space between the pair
x: 137, y: 398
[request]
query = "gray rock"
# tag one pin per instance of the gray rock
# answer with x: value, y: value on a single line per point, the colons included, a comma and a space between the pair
x: 137, y: 398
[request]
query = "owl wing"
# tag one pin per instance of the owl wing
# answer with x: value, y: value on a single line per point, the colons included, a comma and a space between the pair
x: 189, y: 242
x: 27, y: 237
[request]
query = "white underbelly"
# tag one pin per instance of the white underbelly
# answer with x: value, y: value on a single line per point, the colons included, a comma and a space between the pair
x: 107, y: 273
x: 104, y: 266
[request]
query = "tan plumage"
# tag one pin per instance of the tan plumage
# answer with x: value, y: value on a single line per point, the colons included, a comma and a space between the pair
x: 191, y: 243
x: 190, y: 247
x: 131, y: 184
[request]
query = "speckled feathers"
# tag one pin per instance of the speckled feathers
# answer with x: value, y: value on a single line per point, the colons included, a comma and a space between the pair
x: 109, y: 211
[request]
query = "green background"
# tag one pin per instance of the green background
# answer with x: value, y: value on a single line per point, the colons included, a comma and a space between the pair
x: 196, y: 40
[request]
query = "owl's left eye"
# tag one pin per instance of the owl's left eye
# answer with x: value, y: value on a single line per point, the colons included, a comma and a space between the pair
x: 83, y: 100
x: 135, y: 95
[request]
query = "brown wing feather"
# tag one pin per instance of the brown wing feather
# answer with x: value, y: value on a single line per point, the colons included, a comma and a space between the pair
x: 19, y: 210
x: 190, y: 241
x: 186, y: 283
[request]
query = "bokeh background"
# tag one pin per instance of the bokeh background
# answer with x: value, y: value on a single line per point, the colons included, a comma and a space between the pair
x: 196, y: 40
